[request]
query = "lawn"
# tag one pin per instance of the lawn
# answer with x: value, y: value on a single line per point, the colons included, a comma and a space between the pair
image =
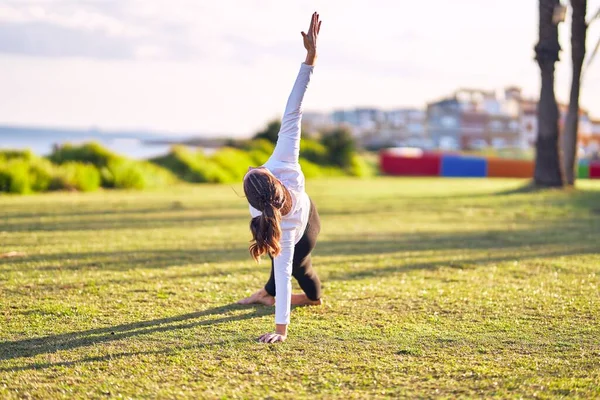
x: 432, y: 288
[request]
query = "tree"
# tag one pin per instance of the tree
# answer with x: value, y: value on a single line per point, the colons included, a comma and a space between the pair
x: 569, y: 136
x: 548, y: 170
x: 270, y: 132
x: 340, y: 146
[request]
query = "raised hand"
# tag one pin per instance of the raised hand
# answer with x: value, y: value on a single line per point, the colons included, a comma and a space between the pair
x: 310, y: 39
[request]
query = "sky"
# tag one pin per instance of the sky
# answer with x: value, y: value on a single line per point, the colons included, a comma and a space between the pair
x: 226, y: 67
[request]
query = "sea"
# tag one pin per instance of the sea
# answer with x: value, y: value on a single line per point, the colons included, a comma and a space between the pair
x: 137, y: 145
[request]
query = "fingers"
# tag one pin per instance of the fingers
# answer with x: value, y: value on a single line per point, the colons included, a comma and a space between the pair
x: 313, y: 23
x: 277, y: 338
x: 270, y: 338
x: 265, y: 338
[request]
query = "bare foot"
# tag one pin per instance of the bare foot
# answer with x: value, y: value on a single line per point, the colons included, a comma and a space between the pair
x: 259, y: 297
x: 302, y: 300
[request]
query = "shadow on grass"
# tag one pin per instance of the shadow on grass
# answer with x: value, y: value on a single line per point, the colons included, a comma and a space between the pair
x: 137, y: 220
x: 123, y: 260
x: 147, y: 218
x: 67, y: 341
x: 148, y: 221
x: 463, y: 263
x: 579, y: 233
x: 113, y: 356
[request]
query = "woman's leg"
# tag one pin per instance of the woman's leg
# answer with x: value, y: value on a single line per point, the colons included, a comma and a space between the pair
x: 302, y: 268
x: 270, y: 285
x: 265, y: 295
x: 309, y: 283
x: 259, y: 297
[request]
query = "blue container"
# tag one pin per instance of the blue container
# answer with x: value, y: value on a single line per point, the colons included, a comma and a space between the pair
x: 464, y: 166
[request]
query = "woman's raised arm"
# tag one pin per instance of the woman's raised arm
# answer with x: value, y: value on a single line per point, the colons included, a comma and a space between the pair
x: 288, y: 140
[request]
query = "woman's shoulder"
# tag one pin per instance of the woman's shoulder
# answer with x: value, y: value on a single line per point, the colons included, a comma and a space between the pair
x: 300, y: 201
x: 291, y: 176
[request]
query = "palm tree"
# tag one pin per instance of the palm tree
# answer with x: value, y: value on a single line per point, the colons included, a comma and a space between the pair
x: 569, y: 137
x: 547, y: 163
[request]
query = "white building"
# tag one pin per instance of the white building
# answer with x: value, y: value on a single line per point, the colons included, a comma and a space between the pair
x: 595, y: 127
x: 313, y: 122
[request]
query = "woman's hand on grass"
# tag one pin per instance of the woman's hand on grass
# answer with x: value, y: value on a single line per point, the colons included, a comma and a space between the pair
x: 272, y: 338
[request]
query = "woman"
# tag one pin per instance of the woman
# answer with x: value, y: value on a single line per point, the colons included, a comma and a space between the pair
x: 285, y: 222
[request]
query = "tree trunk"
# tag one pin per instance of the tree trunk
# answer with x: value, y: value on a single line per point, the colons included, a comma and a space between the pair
x: 547, y: 162
x: 569, y: 136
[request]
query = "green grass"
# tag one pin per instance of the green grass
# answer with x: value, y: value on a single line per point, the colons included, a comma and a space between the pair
x: 433, y: 288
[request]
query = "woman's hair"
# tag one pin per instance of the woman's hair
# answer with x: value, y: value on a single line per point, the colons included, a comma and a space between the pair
x: 265, y: 193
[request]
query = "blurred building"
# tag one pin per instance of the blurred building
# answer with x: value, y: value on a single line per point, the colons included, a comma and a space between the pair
x: 469, y: 119
x: 592, y: 149
x: 375, y: 127
x: 360, y: 120
x: 529, y: 126
x: 314, y: 122
x: 474, y: 118
x: 528, y: 122
x: 596, y: 128
x: 399, y: 127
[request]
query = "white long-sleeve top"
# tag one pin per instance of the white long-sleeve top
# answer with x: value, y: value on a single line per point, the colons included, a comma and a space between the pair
x: 283, y: 163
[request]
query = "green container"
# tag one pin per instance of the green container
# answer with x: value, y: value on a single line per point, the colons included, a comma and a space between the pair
x: 583, y: 170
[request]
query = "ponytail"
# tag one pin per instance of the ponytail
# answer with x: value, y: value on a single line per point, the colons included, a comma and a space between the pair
x: 266, y: 233
x: 266, y: 194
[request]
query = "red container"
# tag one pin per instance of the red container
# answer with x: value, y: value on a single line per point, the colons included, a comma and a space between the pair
x: 426, y: 165
x: 595, y: 170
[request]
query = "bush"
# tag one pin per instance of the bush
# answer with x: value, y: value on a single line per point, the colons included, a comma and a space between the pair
x: 331, y: 171
x: 212, y: 172
x: 91, y: 153
x: 74, y: 175
x: 156, y: 176
x: 314, y: 151
x: 310, y: 169
x: 25, y: 173
x: 14, y: 176
x: 41, y: 174
x: 121, y: 173
x: 16, y: 154
x: 340, y: 147
x: 192, y: 167
x: 179, y: 161
x: 259, y: 150
x: 115, y: 171
x: 124, y: 174
x: 270, y: 132
x: 234, y: 161
x: 360, y: 167
x: 262, y: 145
x: 258, y: 157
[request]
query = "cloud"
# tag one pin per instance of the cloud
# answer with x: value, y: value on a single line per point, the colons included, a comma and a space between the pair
x: 183, y: 30
x: 48, y: 40
x: 89, y: 30
x: 77, y: 18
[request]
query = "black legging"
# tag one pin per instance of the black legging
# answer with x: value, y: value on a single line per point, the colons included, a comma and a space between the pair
x: 302, y: 268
